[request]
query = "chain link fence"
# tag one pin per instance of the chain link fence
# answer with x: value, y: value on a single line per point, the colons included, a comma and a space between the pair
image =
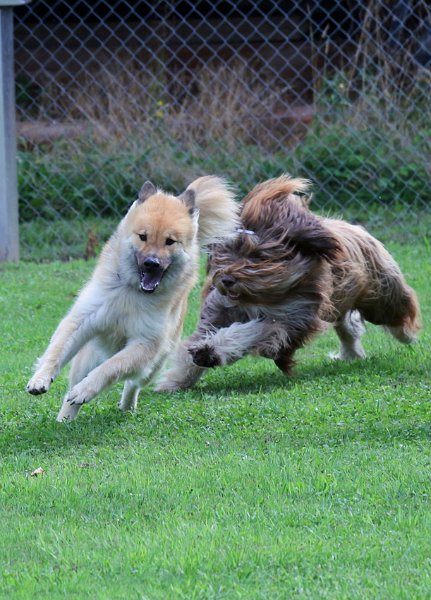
x: 111, y: 94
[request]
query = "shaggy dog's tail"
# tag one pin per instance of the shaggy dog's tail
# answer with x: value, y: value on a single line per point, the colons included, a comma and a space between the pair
x: 279, y: 188
x: 218, y: 210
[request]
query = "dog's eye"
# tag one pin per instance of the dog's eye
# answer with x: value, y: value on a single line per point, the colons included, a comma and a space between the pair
x: 170, y: 241
x: 142, y: 237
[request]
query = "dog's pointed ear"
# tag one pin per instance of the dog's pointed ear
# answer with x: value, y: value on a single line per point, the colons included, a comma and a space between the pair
x: 316, y: 241
x: 189, y: 199
x: 147, y: 190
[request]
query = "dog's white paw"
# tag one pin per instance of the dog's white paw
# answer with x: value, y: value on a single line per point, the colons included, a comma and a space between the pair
x: 81, y: 393
x: 39, y: 384
x: 68, y: 413
x: 348, y: 355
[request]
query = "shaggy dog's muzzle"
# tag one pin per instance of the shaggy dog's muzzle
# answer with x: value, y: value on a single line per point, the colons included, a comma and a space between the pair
x: 226, y: 284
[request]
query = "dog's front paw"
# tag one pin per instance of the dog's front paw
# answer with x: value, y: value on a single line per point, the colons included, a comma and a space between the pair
x: 80, y: 394
x: 39, y: 384
x: 205, y: 356
x: 348, y: 354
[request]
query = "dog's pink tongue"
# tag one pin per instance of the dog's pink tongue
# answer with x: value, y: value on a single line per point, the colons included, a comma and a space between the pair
x: 149, y: 281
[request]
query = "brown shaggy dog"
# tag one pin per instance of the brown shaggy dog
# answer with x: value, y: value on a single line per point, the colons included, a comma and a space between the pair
x: 283, y: 278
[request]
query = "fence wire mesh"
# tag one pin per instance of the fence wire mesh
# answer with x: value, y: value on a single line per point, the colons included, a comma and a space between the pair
x: 111, y: 94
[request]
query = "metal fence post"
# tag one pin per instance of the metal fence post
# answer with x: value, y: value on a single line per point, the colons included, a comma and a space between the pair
x: 9, y: 239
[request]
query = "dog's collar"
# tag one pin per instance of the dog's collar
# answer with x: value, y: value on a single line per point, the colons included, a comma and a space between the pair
x: 246, y: 231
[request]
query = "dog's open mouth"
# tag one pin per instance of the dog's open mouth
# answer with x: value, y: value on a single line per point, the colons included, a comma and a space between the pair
x: 150, y: 279
x: 233, y: 294
x: 229, y: 293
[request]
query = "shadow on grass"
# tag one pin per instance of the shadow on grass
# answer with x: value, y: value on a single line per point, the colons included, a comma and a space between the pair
x: 108, y: 430
x: 267, y: 377
x: 243, y: 403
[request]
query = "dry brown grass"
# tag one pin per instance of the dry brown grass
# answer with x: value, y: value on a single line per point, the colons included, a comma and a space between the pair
x: 229, y: 103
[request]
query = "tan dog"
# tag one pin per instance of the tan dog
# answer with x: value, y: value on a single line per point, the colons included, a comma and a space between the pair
x: 286, y: 275
x: 130, y: 314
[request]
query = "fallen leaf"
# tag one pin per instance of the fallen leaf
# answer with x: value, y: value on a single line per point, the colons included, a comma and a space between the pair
x: 36, y: 472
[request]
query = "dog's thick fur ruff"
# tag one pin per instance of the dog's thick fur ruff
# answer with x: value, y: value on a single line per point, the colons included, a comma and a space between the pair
x: 130, y: 314
x: 284, y: 278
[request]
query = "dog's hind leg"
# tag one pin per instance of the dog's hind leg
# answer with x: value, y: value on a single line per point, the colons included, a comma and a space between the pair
x: 182, y: 374
x: 129, y: 397
x: 89, y: 357
x: 284, y: 361
x: 349, y: 330
x: 135, y: 361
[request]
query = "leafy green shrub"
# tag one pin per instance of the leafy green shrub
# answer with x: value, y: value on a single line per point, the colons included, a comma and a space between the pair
x: 350, y: 169
x: 362, y: 168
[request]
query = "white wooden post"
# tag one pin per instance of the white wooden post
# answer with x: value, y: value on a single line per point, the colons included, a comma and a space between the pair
x: 9, y: 240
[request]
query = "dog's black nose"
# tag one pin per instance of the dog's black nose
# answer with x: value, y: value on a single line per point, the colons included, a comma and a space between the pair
x: 151, y: 262
x: 227, y: 281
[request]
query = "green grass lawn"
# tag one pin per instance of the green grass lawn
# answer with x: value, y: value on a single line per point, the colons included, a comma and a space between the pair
x: 248, y: 486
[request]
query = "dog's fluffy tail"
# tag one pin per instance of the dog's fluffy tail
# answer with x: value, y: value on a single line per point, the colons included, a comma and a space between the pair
x: 218, y: 210
x: 279, y: 187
